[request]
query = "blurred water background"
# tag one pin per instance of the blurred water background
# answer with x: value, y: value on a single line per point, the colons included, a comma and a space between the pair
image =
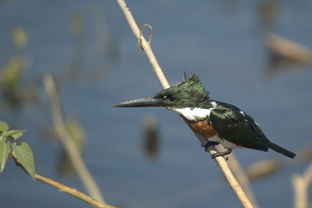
x: 89, y: 49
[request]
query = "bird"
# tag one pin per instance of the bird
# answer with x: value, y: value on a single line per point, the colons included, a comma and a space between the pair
x: 212, y: 121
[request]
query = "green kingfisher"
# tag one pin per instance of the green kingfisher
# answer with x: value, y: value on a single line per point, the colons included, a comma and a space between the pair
x: 212, y: 121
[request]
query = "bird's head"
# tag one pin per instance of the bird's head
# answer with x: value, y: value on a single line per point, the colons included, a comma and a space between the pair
x: 190, y: 93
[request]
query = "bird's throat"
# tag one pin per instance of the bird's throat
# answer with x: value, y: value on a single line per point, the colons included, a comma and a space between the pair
x: 193, y: 114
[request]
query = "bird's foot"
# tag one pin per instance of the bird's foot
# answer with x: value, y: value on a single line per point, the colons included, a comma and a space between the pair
x: 209, y: 144
x: 222, y: 154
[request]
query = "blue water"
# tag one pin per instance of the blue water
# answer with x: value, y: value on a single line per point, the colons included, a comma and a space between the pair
x: 222, y: 41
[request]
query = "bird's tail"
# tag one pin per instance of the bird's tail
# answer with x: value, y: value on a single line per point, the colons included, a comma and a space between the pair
x: 281, y: 150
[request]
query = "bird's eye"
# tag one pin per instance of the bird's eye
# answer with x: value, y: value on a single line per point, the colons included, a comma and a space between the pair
x: 170, y: 97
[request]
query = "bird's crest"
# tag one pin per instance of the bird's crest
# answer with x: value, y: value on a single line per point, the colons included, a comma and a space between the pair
x: 193, y: 83
x: 189, y: 93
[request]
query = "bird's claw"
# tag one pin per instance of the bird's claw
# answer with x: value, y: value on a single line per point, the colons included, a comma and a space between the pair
x: 222, y: 154
x: 209, y: 144
x: 217, y: 154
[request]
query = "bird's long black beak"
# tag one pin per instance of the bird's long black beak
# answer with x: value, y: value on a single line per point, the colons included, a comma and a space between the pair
x: 142, y: 102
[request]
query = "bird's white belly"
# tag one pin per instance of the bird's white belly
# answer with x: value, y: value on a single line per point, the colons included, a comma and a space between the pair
x: 226, y: 144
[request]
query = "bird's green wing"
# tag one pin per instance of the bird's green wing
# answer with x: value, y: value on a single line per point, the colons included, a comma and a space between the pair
x: 237, y: 127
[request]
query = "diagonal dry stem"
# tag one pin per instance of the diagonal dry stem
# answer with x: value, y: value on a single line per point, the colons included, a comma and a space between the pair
x: 68, y: 143
x: 72, y: 192
x: 146, y: 47
x: 301, y: 185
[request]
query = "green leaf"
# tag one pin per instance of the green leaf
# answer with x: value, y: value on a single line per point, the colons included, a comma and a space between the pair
x: 14, y: 134
x: 3, y: 126
x: 4, y: 152
x: 23, y: 156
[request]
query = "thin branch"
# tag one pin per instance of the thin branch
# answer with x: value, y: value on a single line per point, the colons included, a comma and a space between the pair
x: 288, y: 49
x: 68, y: 142
x: 164, y: 83
x: 301, y: 185
x: 242, y: 178
x: 146, y: 47
x: 72, y: 192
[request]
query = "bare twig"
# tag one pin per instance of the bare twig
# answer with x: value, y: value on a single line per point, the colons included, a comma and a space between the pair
x: 72, y: 192
x: 264, y: 168
x: 164, y: 83
x: 68, y: 142
x: 146, y: 47
x: 288, y: 49
x: 241, y: 177
x: 301, y: 187
x: 150, y: 35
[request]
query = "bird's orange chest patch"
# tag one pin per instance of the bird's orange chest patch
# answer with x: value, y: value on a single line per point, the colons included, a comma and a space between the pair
x: 201, y: 127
